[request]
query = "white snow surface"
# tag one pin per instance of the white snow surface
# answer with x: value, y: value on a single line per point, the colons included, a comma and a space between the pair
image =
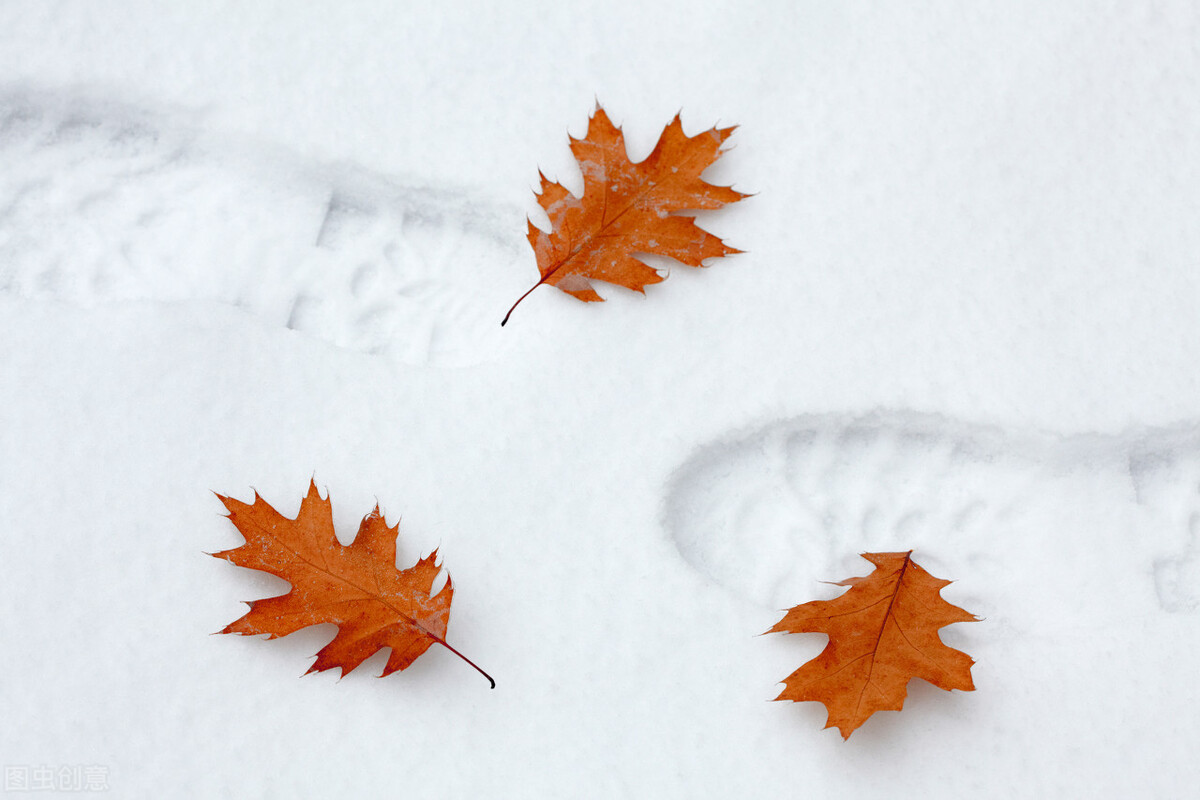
x: 245, y: 245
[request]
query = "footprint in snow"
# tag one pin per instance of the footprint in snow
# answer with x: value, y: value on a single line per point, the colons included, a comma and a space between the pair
x: 100, y: 203
x: 768, y: 513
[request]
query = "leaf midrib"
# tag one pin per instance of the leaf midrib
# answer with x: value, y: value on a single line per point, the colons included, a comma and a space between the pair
x: 606, y: 225
x: 325, y: 570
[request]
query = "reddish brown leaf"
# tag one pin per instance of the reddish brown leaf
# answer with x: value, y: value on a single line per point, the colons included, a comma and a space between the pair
x: 356, y: 587
x: 882, y: 633
x: 627, y: 209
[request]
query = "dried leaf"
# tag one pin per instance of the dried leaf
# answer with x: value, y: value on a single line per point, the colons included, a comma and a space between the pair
x: 628, y: 208
x: 356, y: 587
x: 882, y: 633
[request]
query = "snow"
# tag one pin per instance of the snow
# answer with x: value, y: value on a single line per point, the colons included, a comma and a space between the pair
x: 242, y: 246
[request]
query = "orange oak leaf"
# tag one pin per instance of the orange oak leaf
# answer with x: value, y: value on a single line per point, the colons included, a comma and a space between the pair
x: 356, y: 587
x: 628, y: 208
x: 882, y: 633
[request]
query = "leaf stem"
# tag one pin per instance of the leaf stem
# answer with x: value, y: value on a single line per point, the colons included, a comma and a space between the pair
x: 450, y: 647
x: 519, y: 299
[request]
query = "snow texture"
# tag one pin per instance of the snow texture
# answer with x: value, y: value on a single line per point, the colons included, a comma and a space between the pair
x: 245, y: 245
